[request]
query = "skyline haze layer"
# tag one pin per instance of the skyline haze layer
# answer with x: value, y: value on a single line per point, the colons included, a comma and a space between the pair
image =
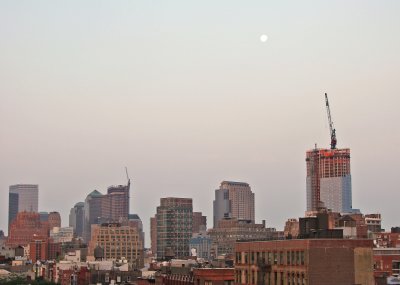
x: 185, y: 95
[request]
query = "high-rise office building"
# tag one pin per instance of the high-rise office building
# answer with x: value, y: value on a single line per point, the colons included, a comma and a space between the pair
x: 234, y: 200
x: 76, y: 217
x: 174, y: 227
x: 118, y: 199
x: 22, y: 197
x: 109, y: 208
x: 329, y: 180
x: 92, y: 212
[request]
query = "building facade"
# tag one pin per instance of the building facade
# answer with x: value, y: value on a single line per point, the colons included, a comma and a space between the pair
x: 118, y: 199
x: 22, y: 197
x: 174, y: 227
x: 200, y: 245
x: 26, y: 227
x: 228, y: 231
x: 329, y: 180
x: 153, y: 234
x: 54, y: 220
x: 199, y: 222
x: 305, y: 262
x: 62, y: 235
x: 233, y: 200
x: 118, y: 242
x: 386, y: 262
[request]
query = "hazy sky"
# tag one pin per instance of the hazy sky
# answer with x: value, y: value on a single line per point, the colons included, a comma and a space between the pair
x: 186, y: 95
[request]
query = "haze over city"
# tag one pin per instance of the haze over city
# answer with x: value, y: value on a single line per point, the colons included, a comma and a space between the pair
x: 186, y: 95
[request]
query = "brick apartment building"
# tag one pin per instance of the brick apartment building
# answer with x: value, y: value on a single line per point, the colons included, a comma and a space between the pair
x: 26, y: 227
x: 305, y: 262
x: 386, y: 262
x: 196, y: 276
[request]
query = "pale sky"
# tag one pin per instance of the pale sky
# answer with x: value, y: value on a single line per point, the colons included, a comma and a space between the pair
x: 186, y: 95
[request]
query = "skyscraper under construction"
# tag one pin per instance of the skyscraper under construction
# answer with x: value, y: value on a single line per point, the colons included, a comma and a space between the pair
x: 328, y: 175
x: 329, y: 179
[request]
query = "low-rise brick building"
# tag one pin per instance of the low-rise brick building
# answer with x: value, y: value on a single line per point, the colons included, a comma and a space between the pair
x: 305, y: 262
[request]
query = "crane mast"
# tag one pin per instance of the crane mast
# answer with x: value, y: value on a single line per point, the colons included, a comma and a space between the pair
x: 331, y: 127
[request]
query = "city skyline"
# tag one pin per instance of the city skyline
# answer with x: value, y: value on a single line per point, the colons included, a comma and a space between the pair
x: 186, y: 96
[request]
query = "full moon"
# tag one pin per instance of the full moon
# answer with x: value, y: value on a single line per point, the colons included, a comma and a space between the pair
x: 263, y: 38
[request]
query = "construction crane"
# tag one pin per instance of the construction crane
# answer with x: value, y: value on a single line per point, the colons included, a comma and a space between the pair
x: 127, y: 176
x: 331, y: 127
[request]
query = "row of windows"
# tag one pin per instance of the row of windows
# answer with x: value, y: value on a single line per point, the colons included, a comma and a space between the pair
x: 268, y: 278
x: 289, y: 257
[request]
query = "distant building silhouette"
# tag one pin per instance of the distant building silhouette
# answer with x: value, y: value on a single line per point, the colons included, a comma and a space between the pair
x: 76, y: 218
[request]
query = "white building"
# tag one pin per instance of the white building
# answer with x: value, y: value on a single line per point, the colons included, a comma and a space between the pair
x: 61, y: 235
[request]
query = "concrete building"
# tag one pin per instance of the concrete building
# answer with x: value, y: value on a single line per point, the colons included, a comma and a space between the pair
x: 310, y: 262
x: 228, y: 231
x: 118, y: 242
x: 329, y: 180
x: 233, y: 200
x: 76, y: 218
x: 62, y: 235
x: 22, y: 197
x: 174, y: 227
x: 373, y: 222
